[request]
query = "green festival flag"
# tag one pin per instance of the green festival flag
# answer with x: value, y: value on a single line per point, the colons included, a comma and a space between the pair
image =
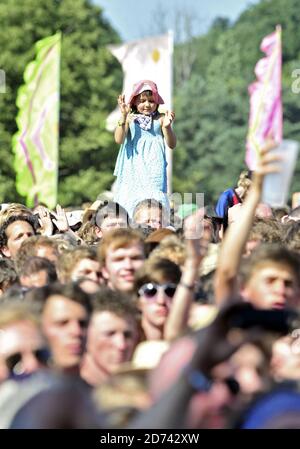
x: 35, y: 145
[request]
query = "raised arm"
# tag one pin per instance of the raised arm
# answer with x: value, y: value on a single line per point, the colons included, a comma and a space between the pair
x: 197, y: 240
x: 167, y: 130
x: 237, y: 233
x: 123, y: 123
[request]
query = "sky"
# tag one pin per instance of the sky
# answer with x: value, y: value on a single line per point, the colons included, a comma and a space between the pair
x: 135, y: 19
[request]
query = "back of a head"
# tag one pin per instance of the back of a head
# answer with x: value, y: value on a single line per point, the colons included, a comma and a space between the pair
x: 35, y: 265
x: 266, y: 230
x: 172, y: 248
x: 115, y: 302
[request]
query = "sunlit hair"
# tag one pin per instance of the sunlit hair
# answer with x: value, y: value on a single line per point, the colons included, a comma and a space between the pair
x: 39, y: 297
x: 266, y: 230
x: 157, y: 270
x: 69, y: 259
x: 119, y: 238
x: 116, y: 302
x: 30, y: 247
x: 245, y: 182
x: 271, y: 254
x: 87, y: 233
x: 172, y: 248
x: 35, y: 264
x: 16, y: 311
x: 14, y: 209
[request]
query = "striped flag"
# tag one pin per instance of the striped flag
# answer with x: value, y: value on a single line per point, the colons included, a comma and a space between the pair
x: 35, y: 145
x: 265, y: 99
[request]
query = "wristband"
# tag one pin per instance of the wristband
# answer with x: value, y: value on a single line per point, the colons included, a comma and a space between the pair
x: 189, y: 287
x: 121, y: 123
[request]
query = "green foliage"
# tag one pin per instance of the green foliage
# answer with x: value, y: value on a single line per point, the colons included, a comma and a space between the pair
x: 90, y: 80
x: 212, y: 107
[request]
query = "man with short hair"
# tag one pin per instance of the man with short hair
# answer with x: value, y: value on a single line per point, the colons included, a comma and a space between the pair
x: 79, y: 263
x: 37, y: 272
x: 109, y: 215
x: 270, y: 277
x: 121, y: 253
x: 65, y: 313
x: 112, y: 336
x: 150, y: 212
x: 37, y: 246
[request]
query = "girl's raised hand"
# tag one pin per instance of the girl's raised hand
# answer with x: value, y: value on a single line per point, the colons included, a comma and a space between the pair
x: 124, y: 108
x: 168, y: 118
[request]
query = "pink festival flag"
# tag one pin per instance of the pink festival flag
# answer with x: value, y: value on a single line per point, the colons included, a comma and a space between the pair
x: 265, y: 99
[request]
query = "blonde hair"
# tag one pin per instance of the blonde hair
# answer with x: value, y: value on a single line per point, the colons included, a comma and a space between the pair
x: 118, y: 238
x: 69, y: 259
x: 14, y: 209
x: 244, y: 182
x: 15, y: 311
x: 171, y: 248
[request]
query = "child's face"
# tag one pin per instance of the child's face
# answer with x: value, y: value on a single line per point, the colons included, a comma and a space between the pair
x: 145, y: 104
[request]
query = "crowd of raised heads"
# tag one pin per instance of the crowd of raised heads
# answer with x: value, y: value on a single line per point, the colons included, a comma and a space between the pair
x: 187, y: 317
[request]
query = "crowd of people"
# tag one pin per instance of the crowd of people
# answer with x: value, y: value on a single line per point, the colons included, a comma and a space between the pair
x: 135, y: 313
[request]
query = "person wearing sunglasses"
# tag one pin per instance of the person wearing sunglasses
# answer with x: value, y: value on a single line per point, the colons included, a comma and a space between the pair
x: 23, y: 349
x: 155, y: 286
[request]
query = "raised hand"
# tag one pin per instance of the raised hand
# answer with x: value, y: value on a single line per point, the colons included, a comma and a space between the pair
x: 61, y: 220
x: 197, y: 236
x: 269, y: 162
x: 45, y: 221
x: 168, y: 119
x: 123, y: 106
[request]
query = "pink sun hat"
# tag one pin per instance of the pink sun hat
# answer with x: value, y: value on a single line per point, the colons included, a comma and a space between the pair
x: 143, y: 85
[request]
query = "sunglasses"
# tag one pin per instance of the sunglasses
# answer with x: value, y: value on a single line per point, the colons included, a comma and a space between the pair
x: 14, y: 361
x: 150, y: 290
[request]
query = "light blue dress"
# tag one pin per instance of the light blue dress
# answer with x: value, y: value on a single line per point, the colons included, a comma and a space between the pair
x: 141, y: 167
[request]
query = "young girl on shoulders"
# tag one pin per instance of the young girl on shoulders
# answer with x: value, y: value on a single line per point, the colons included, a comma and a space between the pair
x: 143, y: 134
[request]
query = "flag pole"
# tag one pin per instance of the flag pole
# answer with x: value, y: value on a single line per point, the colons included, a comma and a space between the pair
x: 169, y: 152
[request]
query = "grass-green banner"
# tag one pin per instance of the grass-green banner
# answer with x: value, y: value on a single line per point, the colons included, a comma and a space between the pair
x: 36, y: 143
